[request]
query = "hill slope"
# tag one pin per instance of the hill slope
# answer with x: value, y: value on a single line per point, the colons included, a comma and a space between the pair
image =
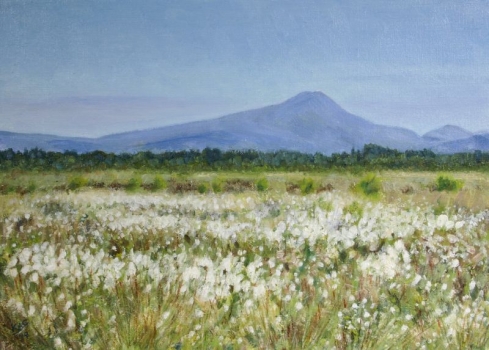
x: 308, y: 122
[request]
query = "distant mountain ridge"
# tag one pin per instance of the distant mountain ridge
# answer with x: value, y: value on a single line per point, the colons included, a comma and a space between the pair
x: 447, y: 133
x: 308, y: 122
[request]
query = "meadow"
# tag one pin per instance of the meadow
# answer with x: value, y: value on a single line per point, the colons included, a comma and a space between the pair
x: 228, y: 260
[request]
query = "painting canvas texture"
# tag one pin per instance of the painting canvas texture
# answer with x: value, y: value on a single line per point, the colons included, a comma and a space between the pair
x: 231, y: 174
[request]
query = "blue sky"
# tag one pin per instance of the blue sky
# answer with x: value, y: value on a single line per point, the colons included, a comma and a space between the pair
x: 89, y: 68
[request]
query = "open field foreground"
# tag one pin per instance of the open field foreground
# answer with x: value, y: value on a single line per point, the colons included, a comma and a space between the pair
x: 110, y: 269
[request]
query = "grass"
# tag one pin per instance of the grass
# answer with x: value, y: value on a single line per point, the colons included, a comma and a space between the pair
x: 243, y: 266
x: 159, y: 183
x: 134, y: 183
x: 233, y: 270
x: 262, y: 184
x: 77, y: 182
x: 448, y: 183
x: 307, y: 186
x: 370, y: 185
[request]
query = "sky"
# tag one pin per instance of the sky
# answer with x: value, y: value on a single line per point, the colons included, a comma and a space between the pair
x: 94, y: 67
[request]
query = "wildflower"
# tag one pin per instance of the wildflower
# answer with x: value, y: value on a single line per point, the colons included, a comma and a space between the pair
x: 57, y: 342
x: 32, y: 310
x: 455, y: 263
x: 199, y: 313
x: 34, y: 278
x: 416, y: 280
x: 13, y: 273
x: 71, y: 321
x: 299, y: 306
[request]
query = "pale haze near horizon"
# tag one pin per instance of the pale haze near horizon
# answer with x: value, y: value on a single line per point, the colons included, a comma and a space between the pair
x: 91, y: 68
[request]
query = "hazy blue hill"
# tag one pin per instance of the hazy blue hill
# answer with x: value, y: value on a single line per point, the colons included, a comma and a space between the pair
x: 308, y: 122
x: 19, y: 141
x: 476, y: 142
x: 447, y: 133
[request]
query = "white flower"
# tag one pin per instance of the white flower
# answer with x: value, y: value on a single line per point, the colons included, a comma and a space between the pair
x: 58, y: 343
x: 299, y: 306
x: 441, y: 221
x: 455, y: 263
x: 416, y: 280
x: 34, y: 278
x: 68, y: 305
x: 472, y: 285
x: 32, y: 310
x: 199, y: 313
x: 71, y: 322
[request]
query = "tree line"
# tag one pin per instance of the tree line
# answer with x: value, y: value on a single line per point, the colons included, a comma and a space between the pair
x: 371, y: 157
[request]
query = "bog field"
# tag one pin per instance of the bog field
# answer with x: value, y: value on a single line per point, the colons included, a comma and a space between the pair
x: 128, y: 260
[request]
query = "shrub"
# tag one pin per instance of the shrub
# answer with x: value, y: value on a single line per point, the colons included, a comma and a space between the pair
x: 262, y: 184
x: 77, y: 182
x: 307, y: 186
x: 217, y: 186
x: 159, y: 183
x: 31, y: 187
x: 370, y: 185
x: 447, y: 183
x: 202, y: 188
x: 134, y: 183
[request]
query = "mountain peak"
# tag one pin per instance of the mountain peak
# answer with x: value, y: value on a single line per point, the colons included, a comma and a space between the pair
x: 310, y: 95
x: 315, y: 100
x: 447, y: 133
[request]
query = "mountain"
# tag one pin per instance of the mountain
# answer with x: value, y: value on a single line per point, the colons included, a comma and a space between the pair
x: 309, y: 122
x: 19, y: 141
x: 475, y: 142
x: 447, y: 133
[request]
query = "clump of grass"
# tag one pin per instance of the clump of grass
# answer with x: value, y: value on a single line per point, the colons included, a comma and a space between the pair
x: 6, y: 188
x: 134, y: 183
x: 202, y: 188
x: 262, y: 184
x: 448, y: 183
x: 159, y: 183
x: 355, y: 209
x: 77, y: 182
x: 307, y: 186
x: 217, y: 185
x: 369, y: 185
